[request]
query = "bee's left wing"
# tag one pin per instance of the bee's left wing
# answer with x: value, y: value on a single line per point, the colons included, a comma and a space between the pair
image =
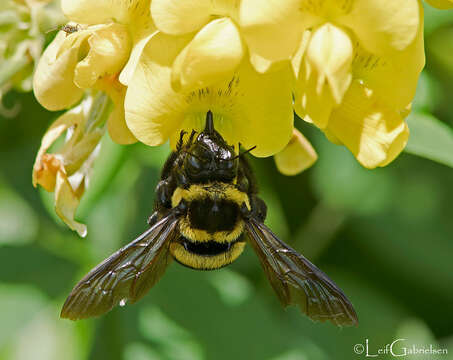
x: 126, y: 275
x: 297, y: 281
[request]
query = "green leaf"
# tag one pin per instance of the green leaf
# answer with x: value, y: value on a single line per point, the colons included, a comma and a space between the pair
x: 18, y: 222
x: 233, y: 288
x: 430, y: 138
x: 344, y: 186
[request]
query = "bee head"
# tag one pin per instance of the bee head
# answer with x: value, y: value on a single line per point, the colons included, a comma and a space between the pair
x: 209, y: 157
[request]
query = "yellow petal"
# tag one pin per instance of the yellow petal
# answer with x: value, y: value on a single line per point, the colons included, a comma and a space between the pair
x: 226, y: 8
x: 296, y: 60
x: 151, y: 105
x: 394, y: 77
x: 330, y: 52
x: 213, y: 54
x: 46, y: 165
x: 384, y: 26
x: 325, y: 74
x: 297, y: 156
x: 103, y: 11
x: 441, y: 4
x: 116, y: 124
x: 67, y: 202
x: 372, y: 131
x: 109, y: 50
x: 53, y: 83
x: 272, y: 28
x: 128, y: 70
x: 249, y: 108
x: 312, y: 104
x: 177, y: 17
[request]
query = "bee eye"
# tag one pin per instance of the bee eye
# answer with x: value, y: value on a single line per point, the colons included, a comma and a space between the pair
x: 195, y: 163
x: 227, y: 165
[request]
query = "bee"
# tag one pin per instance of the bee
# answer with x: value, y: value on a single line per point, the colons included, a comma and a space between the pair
x: 206, y: 210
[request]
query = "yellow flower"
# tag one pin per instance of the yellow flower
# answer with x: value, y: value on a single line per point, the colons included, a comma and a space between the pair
x: 103, y: 49
x: 251, y: 108
x: 273, y: 29
x: 297, y: 156
x: 377, y: 43
x: 216, y: 48
x: 66, y: 171
x: 441, y: 4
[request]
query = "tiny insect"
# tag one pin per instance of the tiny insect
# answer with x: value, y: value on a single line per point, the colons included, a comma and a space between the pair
x: 206, y: 209
x: 68, y: 29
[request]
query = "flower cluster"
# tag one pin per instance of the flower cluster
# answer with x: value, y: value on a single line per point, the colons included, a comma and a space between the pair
x: 22, y: 35
x: 350, y: 67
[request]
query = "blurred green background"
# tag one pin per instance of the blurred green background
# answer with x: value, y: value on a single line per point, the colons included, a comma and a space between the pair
x: 384, y: 236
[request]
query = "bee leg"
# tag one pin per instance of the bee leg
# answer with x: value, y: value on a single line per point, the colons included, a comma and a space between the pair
x: 182, y: 180
x: 181, y: 209
x: 259, y: 208
x: 153, y: 218
x: 180, y: 143
x: 245, y: 211
x: 243, y: 183
x: 164, y: 191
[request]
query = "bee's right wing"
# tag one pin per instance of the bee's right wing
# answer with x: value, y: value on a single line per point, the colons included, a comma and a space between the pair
x: 297, y: 281
x: 126, y: 275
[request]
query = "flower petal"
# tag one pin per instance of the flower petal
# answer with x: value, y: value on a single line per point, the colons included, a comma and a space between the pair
x: 153, y: 109
x: 213, y: 54
x: 272, y: 28
x: 325, y: 74
x: 441, y: 4
x: 330, y: 51
x: 297, y: 156
x: 116, y: 124
x: 394, y: 77
x: 384, y: 26
x: 372, y: 131
x: 249, y: 108
x: 177, y: 17
x: 103, y: 11
x: 109, y: 50
x: 53, y: 82
x: 47, y: 165
x: 66, y: 204
x: 128, y: 70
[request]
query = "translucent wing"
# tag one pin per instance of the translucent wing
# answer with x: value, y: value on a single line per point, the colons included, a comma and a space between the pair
x: 126, y: 275
x: 297, y: 281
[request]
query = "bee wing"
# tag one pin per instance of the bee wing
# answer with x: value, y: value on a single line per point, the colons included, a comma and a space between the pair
x: 297, y: 281
x: 126, y: 275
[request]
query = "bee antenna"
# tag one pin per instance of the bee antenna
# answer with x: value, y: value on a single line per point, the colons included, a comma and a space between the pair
x: 245, y: 152
x: 209, y: 128
x: 52, y: 29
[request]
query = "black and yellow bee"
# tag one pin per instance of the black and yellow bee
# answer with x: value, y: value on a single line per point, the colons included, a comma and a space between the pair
x: 206, y: 209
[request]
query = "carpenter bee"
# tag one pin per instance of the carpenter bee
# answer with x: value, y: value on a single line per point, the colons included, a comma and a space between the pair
x: 206, y: 209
